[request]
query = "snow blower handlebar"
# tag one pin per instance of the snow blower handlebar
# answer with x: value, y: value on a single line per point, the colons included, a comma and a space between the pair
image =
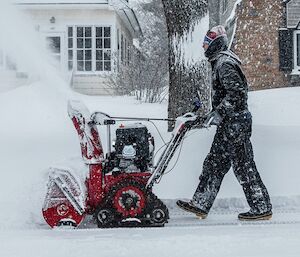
x: 100, y: 118
x: 183, y: 124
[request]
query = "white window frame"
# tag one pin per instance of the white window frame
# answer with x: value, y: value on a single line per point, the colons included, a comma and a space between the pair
x: 93, y: 71
x: 296, y: 66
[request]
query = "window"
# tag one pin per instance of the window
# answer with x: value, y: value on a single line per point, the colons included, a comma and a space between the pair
x: 125, y: 50
x: 296, y: 51
x: 122, y: 48
x: 89, y: 48
x: 119, y: 49
x: 84, y: 48
x: 70, y: 48
x: 224, y: 5
x: 103, y: 49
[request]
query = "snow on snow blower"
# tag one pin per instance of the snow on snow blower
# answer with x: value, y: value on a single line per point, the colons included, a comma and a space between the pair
x: 118, y: 188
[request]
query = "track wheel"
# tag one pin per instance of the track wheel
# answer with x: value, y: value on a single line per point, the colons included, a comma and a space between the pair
x: 128, y: 199
x: 157, y: 211
x: 105, y: 217
x: 67, y: 223
x: 159, y: 216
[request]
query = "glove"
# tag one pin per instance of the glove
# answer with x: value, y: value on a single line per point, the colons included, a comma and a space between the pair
x: 197, y: 105
x: 213, y: 118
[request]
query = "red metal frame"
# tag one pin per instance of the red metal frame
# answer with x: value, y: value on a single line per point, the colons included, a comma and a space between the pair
x: 97, y: 184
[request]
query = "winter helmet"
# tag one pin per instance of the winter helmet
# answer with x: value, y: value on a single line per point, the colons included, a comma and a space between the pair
x: 216, y: 39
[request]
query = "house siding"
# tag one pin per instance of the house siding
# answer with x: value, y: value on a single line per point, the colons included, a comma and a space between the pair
x: 257, y: 42
x: 263, y: 39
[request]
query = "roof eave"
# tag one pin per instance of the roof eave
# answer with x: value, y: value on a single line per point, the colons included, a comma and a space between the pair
x: 62, y: 5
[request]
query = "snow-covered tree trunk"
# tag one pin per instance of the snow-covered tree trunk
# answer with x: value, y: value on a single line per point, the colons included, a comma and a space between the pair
x: 187, y: 23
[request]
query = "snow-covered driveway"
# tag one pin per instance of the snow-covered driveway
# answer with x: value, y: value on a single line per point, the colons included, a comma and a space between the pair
x: 185, y: 236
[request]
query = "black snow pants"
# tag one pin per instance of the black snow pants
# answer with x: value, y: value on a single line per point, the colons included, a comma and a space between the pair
x: 232, y: 148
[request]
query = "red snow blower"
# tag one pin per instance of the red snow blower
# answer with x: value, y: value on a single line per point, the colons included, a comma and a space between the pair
x: 117, y: 190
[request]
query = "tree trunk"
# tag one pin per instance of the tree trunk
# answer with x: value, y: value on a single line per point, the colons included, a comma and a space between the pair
x: 188, y: 70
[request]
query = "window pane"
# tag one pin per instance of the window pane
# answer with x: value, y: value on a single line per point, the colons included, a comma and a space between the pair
x: 79, y: 54
x: 70, y: 54
x: 79, y: 43
x: 99, y: 55
x: 70, y: 65
x: 54, y: 44
x: 70, y: 31
x: 70, y: 42
x: 79, y: 31
x: 88, y: 31
x: 80, y: 65
x: 88, y: 43
x: 107, y: 66
x: 106, y: 31
x: 88, y: 55
x: 99, y: 32
x: 107, y: 43
x: 99, y: 43
x: 298, y: 49
x: 99, y: 66
x: 107, y: 55
x: 88, y: 66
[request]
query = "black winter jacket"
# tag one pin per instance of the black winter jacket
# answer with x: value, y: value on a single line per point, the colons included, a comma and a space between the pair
x: 229, y: 85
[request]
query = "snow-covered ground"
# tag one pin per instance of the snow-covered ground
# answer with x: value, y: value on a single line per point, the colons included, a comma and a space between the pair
x: 36, y: 133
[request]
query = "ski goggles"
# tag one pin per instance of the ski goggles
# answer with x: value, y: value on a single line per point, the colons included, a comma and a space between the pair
x: 207, y: 40
x: 209, y: 37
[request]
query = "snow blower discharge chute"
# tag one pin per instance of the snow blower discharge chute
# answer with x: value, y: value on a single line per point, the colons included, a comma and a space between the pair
x: 117, y: 190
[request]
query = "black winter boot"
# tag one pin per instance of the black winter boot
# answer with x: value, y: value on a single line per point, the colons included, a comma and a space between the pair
x: 252, y: 215
x: 188, y: 206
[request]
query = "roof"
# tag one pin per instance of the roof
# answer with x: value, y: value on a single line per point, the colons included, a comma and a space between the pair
x: 127, y: 15
x: 50, y: 2
x: 121, y: 7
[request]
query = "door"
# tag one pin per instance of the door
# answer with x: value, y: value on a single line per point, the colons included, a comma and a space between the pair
x: 54, y: 45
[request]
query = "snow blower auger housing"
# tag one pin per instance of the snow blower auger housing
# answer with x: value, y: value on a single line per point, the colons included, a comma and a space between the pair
x: 117, y: 190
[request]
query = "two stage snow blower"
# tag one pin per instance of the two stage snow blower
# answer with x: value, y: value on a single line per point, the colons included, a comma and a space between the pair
x: 117, y: 189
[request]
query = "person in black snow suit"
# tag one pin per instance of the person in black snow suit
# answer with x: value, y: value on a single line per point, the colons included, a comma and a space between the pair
x: 231, y: 146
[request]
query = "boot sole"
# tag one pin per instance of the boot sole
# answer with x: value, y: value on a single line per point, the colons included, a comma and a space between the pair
x: 266, y: 217
x: 199, y: 215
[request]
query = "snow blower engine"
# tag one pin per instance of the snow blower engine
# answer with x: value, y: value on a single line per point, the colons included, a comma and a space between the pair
x: 134, y: 147
x: 117, y: 189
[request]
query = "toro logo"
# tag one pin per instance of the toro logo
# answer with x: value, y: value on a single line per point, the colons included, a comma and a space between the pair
x: 62, y: 210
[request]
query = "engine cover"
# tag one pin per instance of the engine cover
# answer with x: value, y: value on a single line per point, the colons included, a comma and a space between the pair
x: 136, y: 134
x: 132, y: 144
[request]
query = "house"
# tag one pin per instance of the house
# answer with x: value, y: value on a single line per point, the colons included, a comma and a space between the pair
x: 90, y: 39
x: 266, y: 36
